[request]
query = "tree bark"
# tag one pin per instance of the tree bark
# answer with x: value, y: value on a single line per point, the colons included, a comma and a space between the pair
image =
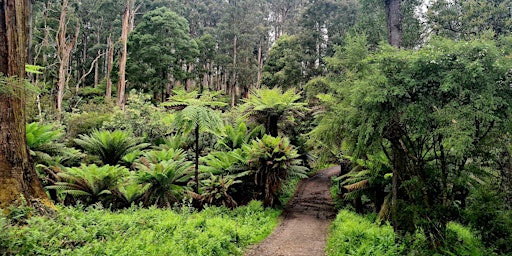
x: 63, y: 53
x: 110, y: 61
x: 233, y: 83
x: 260, y: 66
x: 394, y: 22
x: 18, y: 177
x: 121, y: 87
x: 127, y: 27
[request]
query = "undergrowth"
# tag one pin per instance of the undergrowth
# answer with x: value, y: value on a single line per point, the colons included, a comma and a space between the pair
x: 353, y: 234
x: 136, y: 231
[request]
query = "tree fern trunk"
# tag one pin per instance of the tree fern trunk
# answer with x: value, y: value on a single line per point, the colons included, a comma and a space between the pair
x: 197, y: 159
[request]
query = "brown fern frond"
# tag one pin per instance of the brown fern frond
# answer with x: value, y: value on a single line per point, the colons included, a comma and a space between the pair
x: 356, y: 186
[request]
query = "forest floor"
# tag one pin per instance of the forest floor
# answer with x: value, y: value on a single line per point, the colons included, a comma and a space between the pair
x: 305, y: 221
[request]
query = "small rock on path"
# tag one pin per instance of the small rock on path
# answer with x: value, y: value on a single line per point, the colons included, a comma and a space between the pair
x: 306, y: 220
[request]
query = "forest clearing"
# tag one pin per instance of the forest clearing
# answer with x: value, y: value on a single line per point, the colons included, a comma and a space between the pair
x: 255, y: 127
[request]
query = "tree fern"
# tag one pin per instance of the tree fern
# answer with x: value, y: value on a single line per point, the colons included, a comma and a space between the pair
x: 238, y: 135
x: 272, y: 106
x: 196, y: 115
x: 166, y: 181
x: 273, y: 160
x: 90, y: 183
x: 110, y: 147
x: 43, y: 141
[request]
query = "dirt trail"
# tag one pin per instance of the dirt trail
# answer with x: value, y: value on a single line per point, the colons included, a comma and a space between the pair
x: 306, y: 220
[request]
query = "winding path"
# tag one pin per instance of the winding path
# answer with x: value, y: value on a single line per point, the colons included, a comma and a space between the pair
x: 306, y: 220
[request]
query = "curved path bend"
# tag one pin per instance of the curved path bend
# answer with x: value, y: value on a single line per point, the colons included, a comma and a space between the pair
x: 305, y: 221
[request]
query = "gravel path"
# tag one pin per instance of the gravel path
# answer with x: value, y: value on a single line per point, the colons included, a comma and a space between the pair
x: 306, y: 220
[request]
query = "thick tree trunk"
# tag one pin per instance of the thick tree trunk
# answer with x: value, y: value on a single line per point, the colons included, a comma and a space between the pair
x: 394, y: 22
x: 17, y: 175
x: 394, y: 25
x: 63, y: 53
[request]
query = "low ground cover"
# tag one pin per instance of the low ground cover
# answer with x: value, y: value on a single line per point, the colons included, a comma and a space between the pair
x: 137, y: 231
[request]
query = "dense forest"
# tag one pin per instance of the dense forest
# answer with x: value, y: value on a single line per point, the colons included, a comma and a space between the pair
x: 214, y: 109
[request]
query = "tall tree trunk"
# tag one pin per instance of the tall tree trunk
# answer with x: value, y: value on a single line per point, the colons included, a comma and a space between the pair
x: 233, y: 83
x: 18, y: 177
x: 121, y: 87
x: 97, y: 71
x: 110, y: 61
x: 196, y: 173
x: 127, y: 27
x: 63, y: 53
x: 260, y: 67
x: 394, y: 22
x: 394, y: 25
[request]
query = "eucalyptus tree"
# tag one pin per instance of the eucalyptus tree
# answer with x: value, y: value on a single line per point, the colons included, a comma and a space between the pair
x: 243, y: 35
x: 324, y: 24
x: 161, y: 51
x: 17, y: 174
x: 197, y: 114
x: 101, y: 27
x: 284, y: 16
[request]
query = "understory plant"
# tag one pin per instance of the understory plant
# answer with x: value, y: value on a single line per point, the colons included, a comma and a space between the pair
x: 139, y: 231
x: 109, y: 146
x: 272, y: 160
x: 166, y: 180
x: 90, y: 184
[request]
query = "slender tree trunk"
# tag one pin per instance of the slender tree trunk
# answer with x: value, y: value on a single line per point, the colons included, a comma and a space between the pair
x: 63, y: 53
x: 97, y: 71
x: 260, y: 67
x: 233, y: 83
x: 197, y: 159
x: 394, y: 22
x: 18, y: 177
x: 110, y: 60
x: 121, y: 87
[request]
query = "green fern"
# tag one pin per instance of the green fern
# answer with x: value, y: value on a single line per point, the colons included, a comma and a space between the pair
x: 90, y: 183
x: 196, y: 114
x: 43, y: 141
x: 273, y: 106
x: 238, y: 135
x: 223, y: 163
x: 273, y: 160
x: 166, y: 181
x: 110, y: 147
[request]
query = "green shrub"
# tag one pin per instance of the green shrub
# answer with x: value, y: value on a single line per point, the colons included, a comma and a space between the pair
x: 165, y: 176
x: 142, y: 118
x: 488, y: 214
x: 461, y: 241
x: 90, y: 117
x: 352, y: 234
x: 134, y: 231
